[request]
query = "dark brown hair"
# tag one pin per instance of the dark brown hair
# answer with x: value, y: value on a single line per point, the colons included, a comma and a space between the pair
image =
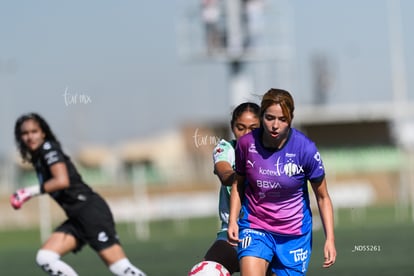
x: 25, y: 153
x: 244, y: 107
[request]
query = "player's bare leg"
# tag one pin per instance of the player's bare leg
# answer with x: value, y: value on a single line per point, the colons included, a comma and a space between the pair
x: 253, y: 266
x: 115, y: 258
x: 48, y: 257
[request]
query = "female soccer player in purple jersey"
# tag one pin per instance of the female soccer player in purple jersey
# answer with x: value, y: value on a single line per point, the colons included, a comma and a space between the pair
x: 270, y: 216
x: 89, y: 220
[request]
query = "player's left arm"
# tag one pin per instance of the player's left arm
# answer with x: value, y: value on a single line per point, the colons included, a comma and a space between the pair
x: 236, y: 194
x: 326, y: 212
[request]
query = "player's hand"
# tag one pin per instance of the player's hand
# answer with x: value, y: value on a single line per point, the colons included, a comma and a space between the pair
x: 329, y: 254
x: 233, y: 234
x: 19, y: 197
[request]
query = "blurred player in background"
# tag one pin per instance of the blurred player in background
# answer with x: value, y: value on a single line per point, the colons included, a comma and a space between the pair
x: 211, y: 14
x: 90, y: 220
x: 244, y: 119
x: 273, y: 166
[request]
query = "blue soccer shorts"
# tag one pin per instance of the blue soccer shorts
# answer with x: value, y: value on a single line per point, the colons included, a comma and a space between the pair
x: 287, y: 255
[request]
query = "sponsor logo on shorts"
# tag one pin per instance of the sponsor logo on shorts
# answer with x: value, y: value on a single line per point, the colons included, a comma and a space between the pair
x: 299, y: 255
x: 246, y: 241
x: 247, y: 231
x: 81, y: 197
x: 102, y: 237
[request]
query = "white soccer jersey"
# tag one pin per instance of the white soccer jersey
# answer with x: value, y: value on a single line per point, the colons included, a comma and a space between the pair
x: 224, y: 151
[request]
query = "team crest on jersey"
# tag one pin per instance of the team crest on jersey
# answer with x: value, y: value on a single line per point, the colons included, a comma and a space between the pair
x: 218, y: 151
x: 221, y: 146
x: 47, y: 146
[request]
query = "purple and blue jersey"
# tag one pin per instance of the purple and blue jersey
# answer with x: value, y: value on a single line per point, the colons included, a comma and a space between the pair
x: 276, y: 197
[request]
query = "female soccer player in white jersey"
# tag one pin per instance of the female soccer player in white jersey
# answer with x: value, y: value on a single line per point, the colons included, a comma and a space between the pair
x: 89, y: 219
x: 244, y: 119
x: 273, y: 166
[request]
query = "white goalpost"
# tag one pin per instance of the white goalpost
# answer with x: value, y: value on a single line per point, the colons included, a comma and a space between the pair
x: 140, y: 195
x: 45, y: 219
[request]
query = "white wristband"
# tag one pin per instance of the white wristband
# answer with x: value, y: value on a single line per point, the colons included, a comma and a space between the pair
x: 33, y: 190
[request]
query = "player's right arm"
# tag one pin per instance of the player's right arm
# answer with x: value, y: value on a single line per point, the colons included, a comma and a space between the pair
x: 22, y: 195
x: 237, y: 190
x: 225, y: 173
x: 223, y: 157
x: 59, y: 179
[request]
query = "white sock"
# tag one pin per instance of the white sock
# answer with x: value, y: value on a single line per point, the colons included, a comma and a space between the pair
x: 123, y: 267
x: 50, y: 262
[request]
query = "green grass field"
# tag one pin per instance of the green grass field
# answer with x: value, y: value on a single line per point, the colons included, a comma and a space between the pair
x: 175, y: 246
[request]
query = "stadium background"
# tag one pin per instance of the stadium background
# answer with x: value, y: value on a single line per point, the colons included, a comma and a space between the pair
x: 139, y: 102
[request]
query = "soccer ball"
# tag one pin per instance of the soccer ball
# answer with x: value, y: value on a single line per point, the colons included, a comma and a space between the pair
x: 208, y: 268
